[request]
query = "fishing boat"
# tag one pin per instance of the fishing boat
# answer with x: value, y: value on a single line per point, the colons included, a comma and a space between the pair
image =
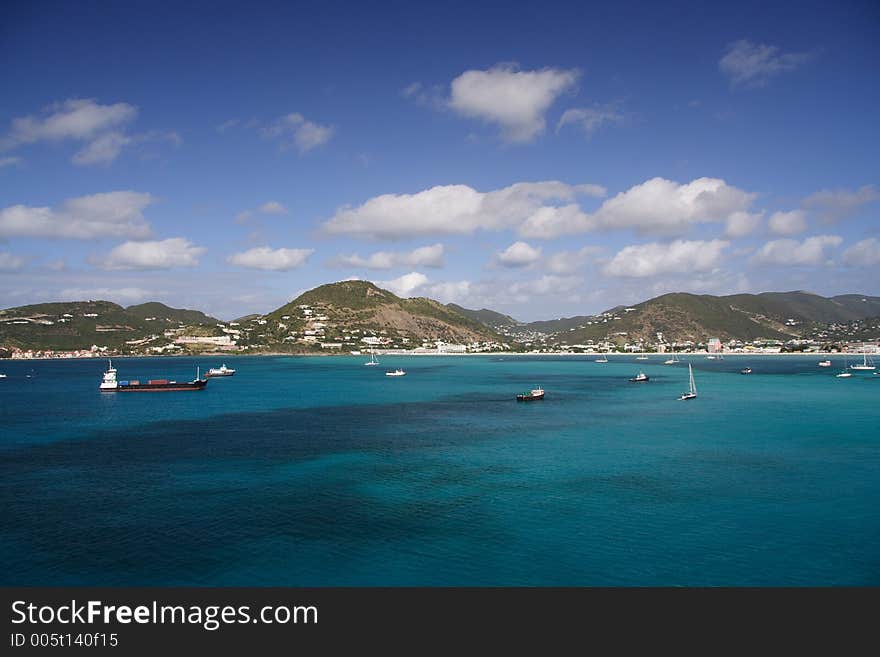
x: 825, y: 363
x: 372, y: 360
x: 397, y: 372
x: 111, y: 384
x: 638, y: 378
x: 534, y: 394
x: 692, y: 389
x: 220, y: 371
x: 866, y: 365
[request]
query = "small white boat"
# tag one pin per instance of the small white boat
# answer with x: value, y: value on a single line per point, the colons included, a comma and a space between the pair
x: 397, y: 372
x: 603, y: 359
x: 843, y: 375
x: 220, y: 371
x: 372, y: 360
x: 692, y: 389
x: 534, y: 394
x: 638, y: 378
x: 2, y: 376
x: 825, y: 363
x: 642, y: 357
x: 673, y: 360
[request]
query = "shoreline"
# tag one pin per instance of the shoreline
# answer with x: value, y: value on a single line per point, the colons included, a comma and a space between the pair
x: 612, y: 355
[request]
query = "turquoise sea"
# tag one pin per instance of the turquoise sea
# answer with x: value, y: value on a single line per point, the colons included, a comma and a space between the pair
x: 318, y: 471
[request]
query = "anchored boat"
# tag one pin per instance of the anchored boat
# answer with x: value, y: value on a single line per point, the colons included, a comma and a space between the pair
x: 111, y: 384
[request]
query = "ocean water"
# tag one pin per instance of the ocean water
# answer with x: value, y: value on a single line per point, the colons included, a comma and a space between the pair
x: 318, y: 471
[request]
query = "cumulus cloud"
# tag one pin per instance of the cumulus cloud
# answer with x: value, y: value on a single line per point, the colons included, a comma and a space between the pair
x: 293, y: 130
x: 519, y: 254
x: 666, y: 207
x: 590, y: 119
x: 425, y: 256
x: 77, y: 118
x: 568, y: 262
x: 102, y: 150
x: 680, y: 256
x: 513, y: 99
x: 750, y: 64
x: 811, y: 251
x: 788, y: 223
x: 111, y: 214
x: 834, y: 205
x: 545, y: 210
x: 10, y: 262
x: 406, y: 285
x: 159, y: 254
x: 863, y: 254
x: 101, y: 127
x: 272, y: 207
x: 740, y: 224
x: 450, y: 210
x: 269, y: 259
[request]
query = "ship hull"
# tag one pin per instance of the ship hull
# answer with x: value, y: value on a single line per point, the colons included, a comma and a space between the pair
x: 157, y: 387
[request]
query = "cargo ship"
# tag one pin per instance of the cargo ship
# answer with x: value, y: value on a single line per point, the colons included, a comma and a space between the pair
x: 111, y: 384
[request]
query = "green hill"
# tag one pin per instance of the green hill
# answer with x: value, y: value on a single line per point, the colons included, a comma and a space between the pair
x: 484, y: 316
x: 161, y: 312
x: 346, y: 312
x: 72, y: 325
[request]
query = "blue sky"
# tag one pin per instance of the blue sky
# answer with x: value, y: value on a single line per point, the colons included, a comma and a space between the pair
x: 541, y: 160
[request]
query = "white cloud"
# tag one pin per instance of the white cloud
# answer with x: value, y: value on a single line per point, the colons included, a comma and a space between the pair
x: 834, y: 205
x: 666, y: 207
x: 450, y: 291
x: 243, y: 216
x: 812, y: 251
x: 788, y: 223
x: 740, y: 224
x: 294, y: 130
x: 10, y: 262
x: 680, y: 256
x: 102, y: 150
x: 515, y: 100
x: 450, y: 210
x: 159, y: 254
x: 425, y: 256
x: 77, y: 118
x: 111, y: 214
x: 9, y: 161
x: 101, y: 127
x: 227, y: 125
x: 406, y: 285
x: 552, y: 221
x: 590, y: 119
x: 547, y: 284
x: 863, y: 254
x: 519, y: 254
x: 568, y: 262
x: 752, y: 65
x: 269, y: 259
x: 272, y: 207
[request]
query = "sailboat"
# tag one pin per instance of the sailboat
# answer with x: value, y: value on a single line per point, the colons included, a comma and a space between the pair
x: 844, y: 374
x: 865, y: 364
x: 671, y: 361
x: 372, y: 360
x: 692, y: 391
x: 603, y: 359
